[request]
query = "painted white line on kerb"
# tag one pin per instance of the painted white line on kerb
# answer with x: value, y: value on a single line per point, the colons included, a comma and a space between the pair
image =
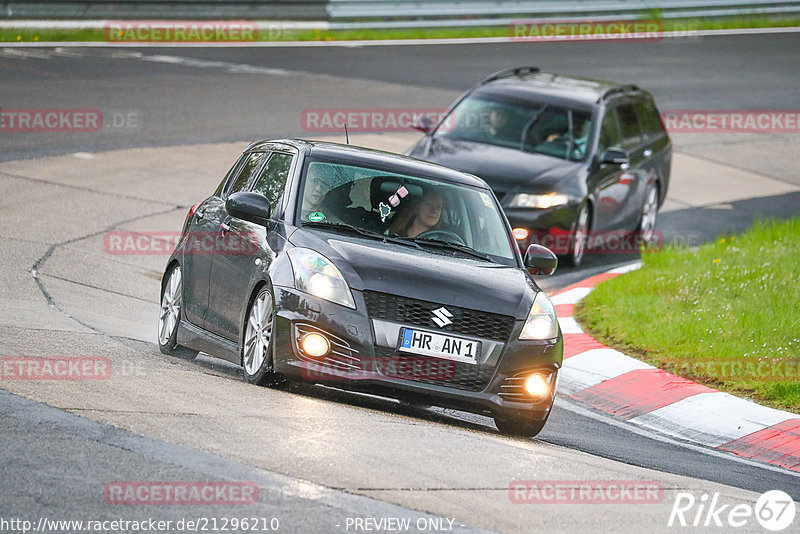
x: 589, y: 368
x: 571, y: 296
x: 389, y: 42
x: 569, y: 325
x: 711, y: 419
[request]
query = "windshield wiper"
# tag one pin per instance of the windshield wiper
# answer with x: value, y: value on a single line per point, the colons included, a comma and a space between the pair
x: 362, y: 231
x: 453, y: 246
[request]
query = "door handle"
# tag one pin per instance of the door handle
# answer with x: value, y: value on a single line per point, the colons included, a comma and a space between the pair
x: 648, y: 153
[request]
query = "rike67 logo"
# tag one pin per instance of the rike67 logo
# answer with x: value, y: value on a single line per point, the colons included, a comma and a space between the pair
x: 774, y: 511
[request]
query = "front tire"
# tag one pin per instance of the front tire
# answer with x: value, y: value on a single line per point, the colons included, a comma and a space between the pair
x: 580, y: 236
x: 258, y: 340
x: 170, y: 316
x: 519, y: 426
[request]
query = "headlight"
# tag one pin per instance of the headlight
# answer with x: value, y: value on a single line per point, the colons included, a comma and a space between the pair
x: 541, y: 202
x: 317, y: 275
x: 542, y: 322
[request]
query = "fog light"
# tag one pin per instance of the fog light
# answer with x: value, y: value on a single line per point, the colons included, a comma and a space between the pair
x: 520, y: 234
x: 537, y: 386
x: 315, y: 345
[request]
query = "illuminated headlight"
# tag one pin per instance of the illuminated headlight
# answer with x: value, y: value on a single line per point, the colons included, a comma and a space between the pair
x: 542, y: 322
x: 315, y: 274
x: 541, y: 202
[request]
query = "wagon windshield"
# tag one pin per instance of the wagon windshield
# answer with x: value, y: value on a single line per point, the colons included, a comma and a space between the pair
x: 438, y: 216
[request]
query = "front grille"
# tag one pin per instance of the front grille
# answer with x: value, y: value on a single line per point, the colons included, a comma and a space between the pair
x: 412, y: 312
x: 341, y: 357
x: 436, y: 371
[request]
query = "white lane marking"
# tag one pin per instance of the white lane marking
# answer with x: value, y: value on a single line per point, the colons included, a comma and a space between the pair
x: 654, y: 435
x: 711, y: 418
x: 569, y: 325
x: 83, y: 155
x: 589, y: 368
x: 571, y: 296
x: 233, y: 68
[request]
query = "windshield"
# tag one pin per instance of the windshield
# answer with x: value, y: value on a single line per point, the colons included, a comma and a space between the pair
x: 400, y: 208
x: 528, y: 126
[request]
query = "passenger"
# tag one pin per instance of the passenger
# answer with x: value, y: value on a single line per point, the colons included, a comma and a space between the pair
x: 419, y: 216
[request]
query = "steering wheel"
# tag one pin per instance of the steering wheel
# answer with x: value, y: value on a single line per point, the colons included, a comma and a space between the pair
x: 443, y: 235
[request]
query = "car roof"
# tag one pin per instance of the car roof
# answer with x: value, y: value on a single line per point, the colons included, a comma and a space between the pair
x: 564, y: 89
x: 368, y: 157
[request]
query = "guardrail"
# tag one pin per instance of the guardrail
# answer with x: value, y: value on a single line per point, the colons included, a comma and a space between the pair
x: 167, y: 9
x: 387, y: 13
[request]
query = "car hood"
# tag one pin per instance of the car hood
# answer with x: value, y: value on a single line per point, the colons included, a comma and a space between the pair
x: 369, y: 264
x: 506, y: 170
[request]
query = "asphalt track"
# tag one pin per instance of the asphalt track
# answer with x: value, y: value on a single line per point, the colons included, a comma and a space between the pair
x: 369, y: 448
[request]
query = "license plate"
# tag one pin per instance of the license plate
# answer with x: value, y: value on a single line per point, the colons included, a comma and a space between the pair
x: 439, y: 346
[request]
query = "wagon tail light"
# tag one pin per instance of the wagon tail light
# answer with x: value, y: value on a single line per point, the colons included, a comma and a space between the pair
x: 189, y: 216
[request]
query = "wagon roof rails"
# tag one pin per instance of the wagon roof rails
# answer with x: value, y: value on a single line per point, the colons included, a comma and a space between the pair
x: 516, y: 71
x: 621, y: 89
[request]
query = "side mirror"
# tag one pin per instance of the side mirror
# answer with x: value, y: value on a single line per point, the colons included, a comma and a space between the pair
x: 251, y: 207
x: 615, y: 156
x: 422, y: 122
x: 540, y: 260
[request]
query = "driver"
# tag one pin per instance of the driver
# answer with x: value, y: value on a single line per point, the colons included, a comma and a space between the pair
x: 419, y: 216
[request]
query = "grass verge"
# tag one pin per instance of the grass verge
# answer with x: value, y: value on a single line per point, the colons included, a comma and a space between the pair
x: 444, y: 32
x: 726, y: 314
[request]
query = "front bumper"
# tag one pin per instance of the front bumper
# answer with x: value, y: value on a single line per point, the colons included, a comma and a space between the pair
x: 551, y: 227
x: 364, y: 358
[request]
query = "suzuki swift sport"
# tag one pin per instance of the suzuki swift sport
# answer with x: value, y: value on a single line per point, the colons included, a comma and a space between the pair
x: 370, y: 271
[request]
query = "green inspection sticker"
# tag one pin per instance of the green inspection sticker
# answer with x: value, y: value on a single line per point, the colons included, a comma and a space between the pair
x: 316, y: 217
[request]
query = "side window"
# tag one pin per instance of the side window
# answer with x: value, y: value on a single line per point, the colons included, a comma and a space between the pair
x: 629, y: 126
x: 234, y: 169
x: 272, y: 179
x: 649, y: 119
x: 609, y: 133
x: 246, y: 170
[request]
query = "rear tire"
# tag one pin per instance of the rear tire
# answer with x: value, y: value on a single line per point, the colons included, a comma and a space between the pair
x: 647, y: 222
x: 257, y: 343
x: 170, y: 316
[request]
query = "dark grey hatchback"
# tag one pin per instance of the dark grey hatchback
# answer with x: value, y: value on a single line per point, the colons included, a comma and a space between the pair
x: 373, y: 271
x: 577, y: 163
